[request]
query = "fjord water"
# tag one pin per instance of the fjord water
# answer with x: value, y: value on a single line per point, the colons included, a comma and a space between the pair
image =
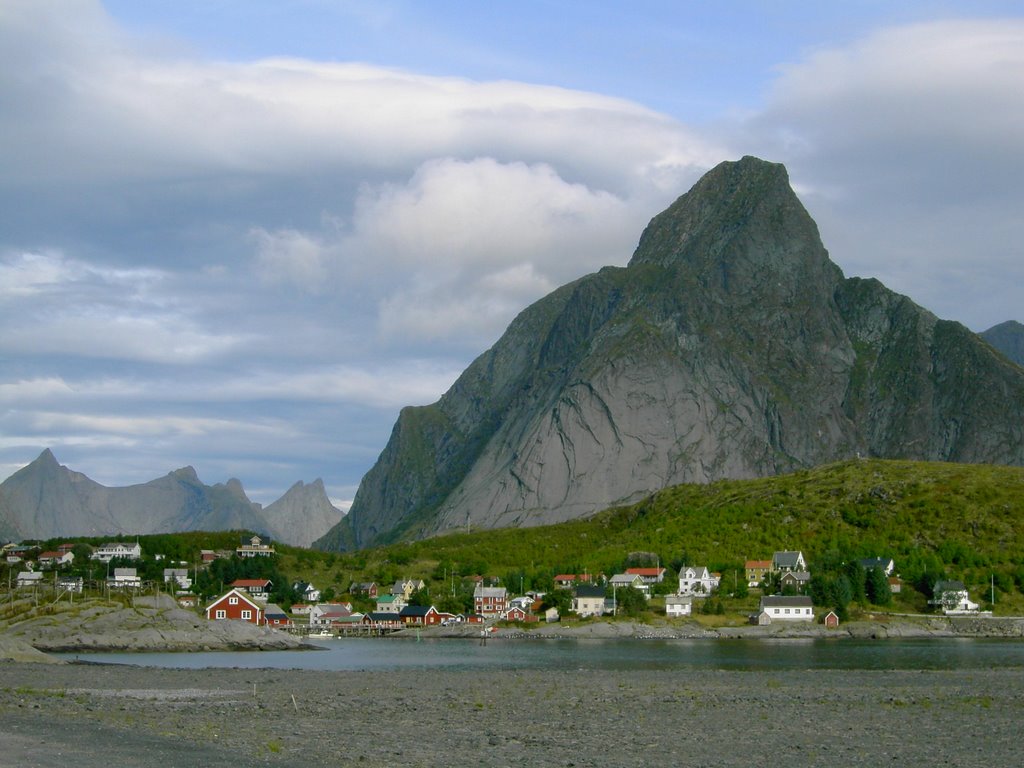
x: 351, y: 654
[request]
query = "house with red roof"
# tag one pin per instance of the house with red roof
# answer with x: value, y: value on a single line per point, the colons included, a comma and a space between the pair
x: 236, y: 604
x: 259, y: 588
x: 569, y: 580
x: 55, y: 559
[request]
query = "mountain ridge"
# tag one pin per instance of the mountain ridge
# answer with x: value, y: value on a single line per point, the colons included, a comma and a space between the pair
x: 729, y: 347
x: 45, y: 499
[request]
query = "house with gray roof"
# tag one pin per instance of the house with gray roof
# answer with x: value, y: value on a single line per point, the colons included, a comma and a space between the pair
x: 785, y: 608
x: 788, y: 561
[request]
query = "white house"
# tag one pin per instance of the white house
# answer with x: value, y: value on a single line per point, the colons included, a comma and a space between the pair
x: 113, y: 549
x: 29, y: 578
x: 697, y: 580
x: 307, y: 592
x: 255, y: 548
x: 390, y: 604
x: 124, y: 578
x: 678, y: 605
x: 952, y: 597
x: 55, y: 559
x: 70, y: 584
x: 649, y: 575
x: 782, y: 608
x: 588, y: 600
x: 326, y: 614
x: 178, y: 576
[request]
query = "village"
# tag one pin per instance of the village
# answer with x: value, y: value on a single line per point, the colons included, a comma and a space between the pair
x: 784, y: 583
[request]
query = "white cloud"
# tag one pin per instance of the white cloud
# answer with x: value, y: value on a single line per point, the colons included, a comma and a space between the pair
x: 291, y: 256
x: 98, y: 105
x: 54, y: 305
x: 461, y: 247
x: 910, y: 145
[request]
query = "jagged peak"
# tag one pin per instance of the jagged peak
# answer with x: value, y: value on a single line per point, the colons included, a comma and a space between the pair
x: 46, y: 458
x: 186, y: 473
x: 234, y: 486
x: 741, y: 212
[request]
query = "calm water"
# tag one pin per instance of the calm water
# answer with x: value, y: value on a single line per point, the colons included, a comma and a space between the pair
x: 409, y: 654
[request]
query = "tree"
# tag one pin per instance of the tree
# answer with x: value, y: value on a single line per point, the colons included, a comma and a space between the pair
x: 558, y: 598
x: 630, y: 601
x: 420, y: 597
x: 876, y: 586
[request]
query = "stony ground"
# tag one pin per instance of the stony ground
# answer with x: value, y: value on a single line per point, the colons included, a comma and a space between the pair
x: 91, y: 716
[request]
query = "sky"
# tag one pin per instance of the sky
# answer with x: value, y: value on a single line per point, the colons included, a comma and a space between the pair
x: 241, y: 235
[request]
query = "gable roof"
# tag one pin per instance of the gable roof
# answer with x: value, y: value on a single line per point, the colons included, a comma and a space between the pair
x: 589, y: 590
x: 417, y: 610
x: 489, y: 592
x: 646, y: 571
x: 787, y: 559
x: 786, y: 601
x: 240, y: 593
x: 248, y: 583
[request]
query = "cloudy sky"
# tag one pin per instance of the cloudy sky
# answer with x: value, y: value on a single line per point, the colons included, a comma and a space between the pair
x: 241, y: 234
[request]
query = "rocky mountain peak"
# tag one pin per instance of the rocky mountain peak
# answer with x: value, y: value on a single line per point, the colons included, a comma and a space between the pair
x: 730, y: 347
x: 740, y: 229
x: 186, y: 474
x: 1008, y: 338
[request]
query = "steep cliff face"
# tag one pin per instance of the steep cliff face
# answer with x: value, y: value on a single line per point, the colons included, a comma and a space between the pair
x: 730, y: 347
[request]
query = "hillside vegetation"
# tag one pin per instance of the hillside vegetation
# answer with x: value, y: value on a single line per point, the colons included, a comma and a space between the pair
x: 934, y: 519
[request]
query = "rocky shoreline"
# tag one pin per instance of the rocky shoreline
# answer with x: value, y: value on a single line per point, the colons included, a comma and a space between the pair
x: 147, y: 624
x: 159, y: 625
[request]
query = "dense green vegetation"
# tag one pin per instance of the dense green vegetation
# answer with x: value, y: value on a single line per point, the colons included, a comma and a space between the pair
x: 953, y: 520
x: 935, y: 520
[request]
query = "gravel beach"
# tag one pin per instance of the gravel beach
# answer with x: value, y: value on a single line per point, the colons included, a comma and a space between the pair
x: 101, y: 715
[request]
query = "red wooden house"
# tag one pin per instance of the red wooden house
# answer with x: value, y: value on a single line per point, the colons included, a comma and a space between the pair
x: 517, y: 613
x: 420, y: 615
x: 236, y: 604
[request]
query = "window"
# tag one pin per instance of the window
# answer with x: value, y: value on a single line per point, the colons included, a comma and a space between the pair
x: 232, y: 601
x: 221, y: 614
x: 247, y: 615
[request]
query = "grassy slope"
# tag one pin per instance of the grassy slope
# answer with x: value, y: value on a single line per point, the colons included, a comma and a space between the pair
x: 964, y: 520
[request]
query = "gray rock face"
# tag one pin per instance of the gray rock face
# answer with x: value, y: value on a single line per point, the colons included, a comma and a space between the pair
x: 303, y: 514
x: 149, y: 625
x: 730, y: 347
x: 45, y: 500
x: 1008, y: 338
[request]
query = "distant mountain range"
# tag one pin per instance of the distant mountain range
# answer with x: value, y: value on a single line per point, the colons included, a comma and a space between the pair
x: 729, y: 347
x: 46, y: 500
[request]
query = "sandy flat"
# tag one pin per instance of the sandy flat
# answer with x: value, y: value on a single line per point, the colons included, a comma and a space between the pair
x: 133, y: 716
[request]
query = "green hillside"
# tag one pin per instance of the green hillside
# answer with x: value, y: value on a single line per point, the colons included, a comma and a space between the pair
x: 935, y: 520
x: 964, y: 521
